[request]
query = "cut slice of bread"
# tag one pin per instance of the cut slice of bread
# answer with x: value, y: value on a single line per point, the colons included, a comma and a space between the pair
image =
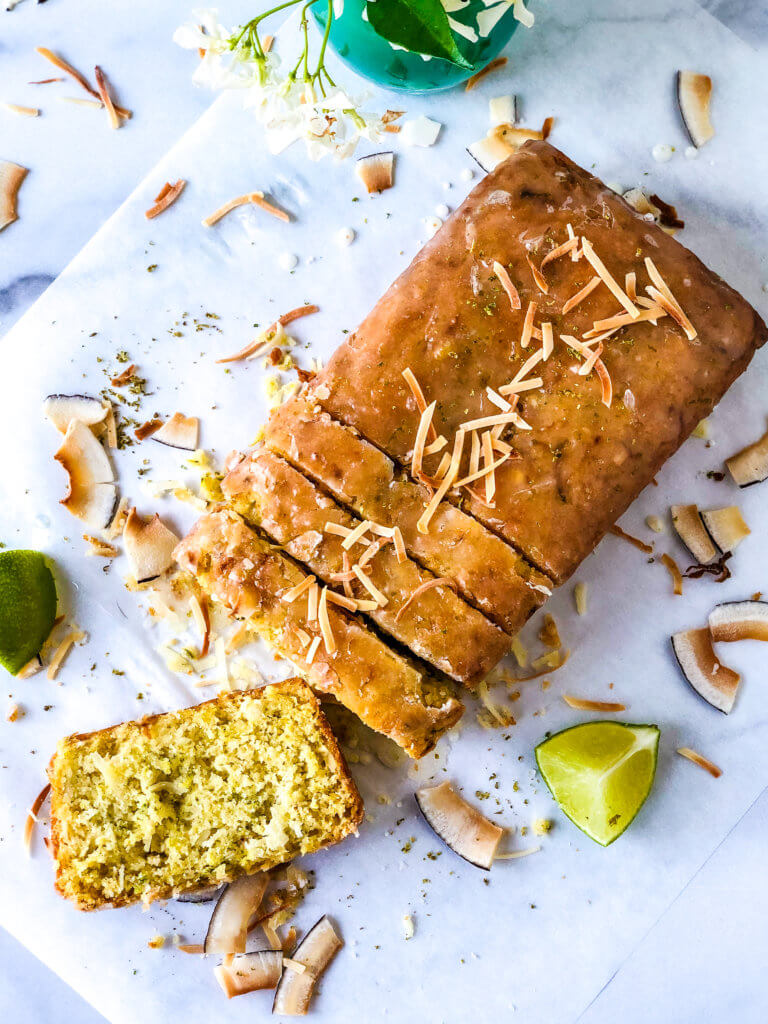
x: 149, y: 809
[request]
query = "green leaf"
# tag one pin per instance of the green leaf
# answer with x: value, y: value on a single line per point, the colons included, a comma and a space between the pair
x: 421, y: 26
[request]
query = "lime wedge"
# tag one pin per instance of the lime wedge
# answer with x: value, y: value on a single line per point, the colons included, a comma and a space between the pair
x: 600, y: 773
x: 27, y: 607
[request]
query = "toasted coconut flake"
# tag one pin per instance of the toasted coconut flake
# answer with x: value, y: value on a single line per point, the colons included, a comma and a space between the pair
x: 251, y: 350
x: 11, y: 177
x: 608, y: 279
x: 255, y: 198
x: 694, y: 92
x: 380, y: 599
x: 60, y: 63
x: 179, y: 431
x: 674, y: 311
x: 354, y: 535
x: 325, y: 623
x: 313, y: 649
x: 91, y: 494
x: 583, y: 704
x: 494, y: 65
x: 377, y: 171
x: 525, y: 337
x: 490, y: 477
x: 115, y: 528
x: 618, y: 532
x: 149, y: 546
x: 425, y: 422
x: 447, y: 482
x: 122, y: 378
x: 506, y: 283
x: 296, y: 314
x: 315, y: 952
x: 418, y: 394
x: 471, y: 477
x: 342, y: 601
x: 516, y: 854
x: 547, y: 340
x: 674, y: 572
x: 147, y: 429
x: 739, y: 620
x: 438, y: 581
x: 228, y: 928
x: 106, y: 98
x: 62, y: 409
x: 606, y: 384
x: 580, y: 598
x: 313, y: 598
x: 16, y: 108
x: 750, y: 465
x: 397, y: 540
x: 560, y: 250
x: 701, y: 761
x: 29, y: 824
x: 110, y: 425
x: 687, y: 521
x: 700, y: 666
x: 538, y: 277
x: 295, y: 592
x: 100, y: 548
x: 501, y: 141
x: 167, y: 197
x: 666, y: 292
x: 591, y: 361
x: 460, y: 825
x: 63, y: 649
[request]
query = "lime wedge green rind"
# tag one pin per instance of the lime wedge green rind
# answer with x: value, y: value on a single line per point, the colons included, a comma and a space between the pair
x: 27, y: 607
x: 600, y: 774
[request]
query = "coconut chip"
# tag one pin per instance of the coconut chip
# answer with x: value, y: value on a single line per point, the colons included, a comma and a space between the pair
x: 62, y: 651
x: 11, y: 177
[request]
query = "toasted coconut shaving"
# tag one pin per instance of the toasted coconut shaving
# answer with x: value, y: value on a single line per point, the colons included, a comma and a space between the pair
x: 16, y: 108
x: 397, y: 540
x: 122, y: 378
x: 701, y: 667
x: 375, y: 593
x: 701, y: 761
x: 425, y: 423
x: 106, y: 98
x: 580, y: 598
x: 583, y: 704
x: 253, y: 348
x: 750, y: 465
x: 254, y: 198
x: 295, y: 592
x: 618, y: 532
x: 325, y: 623
x: 689, y: 526
x: 538, y: 277
x: 460, y: 825
x: 506, y: 283
x: 494, y: 65
x: 608, y: 279
x: 110, y: 425
x: 315, y: 952
x: 115, y: 528
x: 147, y: 429
x: 62, y: 651
x: 674, y: 572
x: 438, y: 581
x: 91, y: 492
x: 354, y: 535
x: 296, y: 314
x: 516, y: 854
x: 11, y: 177
x: 560, y: 250
x: 665, y: 291
x: 149, y: 546
x: 445, y: 485
x: 726, y: 527
x: 29, y: 824
x: 525, y: 337
x: 418, y: 394
x: 166, y: 197
x: 100, y: 548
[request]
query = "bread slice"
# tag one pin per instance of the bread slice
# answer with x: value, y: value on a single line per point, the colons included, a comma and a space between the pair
x: 146, y: 810
x: 435, y: 623
x: 388, y: 690
x: 488, y: 573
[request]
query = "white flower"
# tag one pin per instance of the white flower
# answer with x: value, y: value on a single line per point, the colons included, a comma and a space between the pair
x: 289, y: 108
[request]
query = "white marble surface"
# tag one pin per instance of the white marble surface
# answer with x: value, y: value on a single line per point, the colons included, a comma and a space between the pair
x: 667, y: 892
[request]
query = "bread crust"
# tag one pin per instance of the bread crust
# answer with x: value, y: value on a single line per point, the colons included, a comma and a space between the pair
x: 298, y: 690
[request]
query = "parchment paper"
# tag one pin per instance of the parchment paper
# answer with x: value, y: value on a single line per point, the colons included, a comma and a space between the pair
x: 542, y: 934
